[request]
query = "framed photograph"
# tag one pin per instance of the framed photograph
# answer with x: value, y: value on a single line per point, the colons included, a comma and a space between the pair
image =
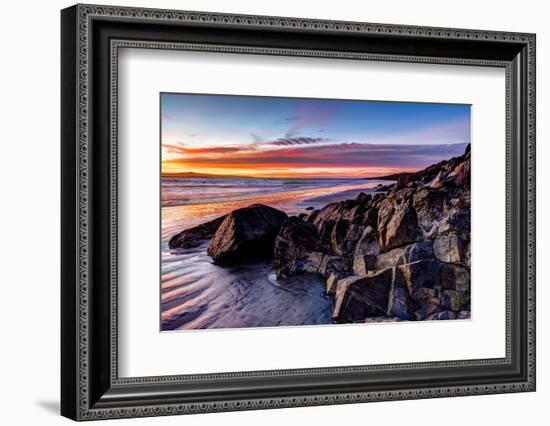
x: 263, y: 212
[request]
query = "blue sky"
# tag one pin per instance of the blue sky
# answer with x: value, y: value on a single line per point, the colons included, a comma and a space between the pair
x: 212, y: 132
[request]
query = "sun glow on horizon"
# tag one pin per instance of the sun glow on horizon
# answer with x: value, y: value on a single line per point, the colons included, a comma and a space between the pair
x: 313, y: 172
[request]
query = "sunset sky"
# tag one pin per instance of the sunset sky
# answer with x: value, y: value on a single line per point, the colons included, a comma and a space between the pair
x: 294, y: 137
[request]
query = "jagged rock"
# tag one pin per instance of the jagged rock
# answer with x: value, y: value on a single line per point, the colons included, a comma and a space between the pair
x: 429, y: 205
x: 309, y: 208
x: 363, y: 264
x: 425, y: 180
x: 325, y: 232
x: 454, y: 300
x: 312, y: 216
x: 438, y: 181
x: 400, y: 303
x: 356, y: 215
x: 193, y: 237
x: 460, y: 175
x: 332, y: 283
x: 344, y: 237
x: 397, y: 222
x: 296, y: 248
x: 456, y: 222
x: 454, y: 277
x: 411, y: 253
x: 435, y: 274
x: 370, y: 217
x: 302, y: 216
x: 246, y: 231
x: 310, y: 262
x: 360, y: 297
x: 427, y: 301
x: 344, y: 210
x: 334, y: 264
x: 400, y: 184
x: 383, y: 293
x: 431, y: 171
x: 448, y: 248
x: 368, y: 243
x: 363, y: 198
x: 400, y: 254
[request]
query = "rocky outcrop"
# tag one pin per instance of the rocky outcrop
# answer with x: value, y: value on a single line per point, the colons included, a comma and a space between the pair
x: 247, y: 231
x: 397, y: 221
x: 193, y: 237
x: 296, y: 248
x: 360, y: 297
x: 403, y: 253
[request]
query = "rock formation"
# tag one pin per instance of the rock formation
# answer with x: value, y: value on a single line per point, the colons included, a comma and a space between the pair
x: 193, y: 237
x: 246, y: 231
x: 402, y: 254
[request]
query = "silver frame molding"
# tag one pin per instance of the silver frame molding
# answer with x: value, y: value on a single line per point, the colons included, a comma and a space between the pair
x: 91, y: 387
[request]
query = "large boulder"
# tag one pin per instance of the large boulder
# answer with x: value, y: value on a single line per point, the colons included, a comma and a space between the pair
x: 193, y: 237
x: 247, y: 231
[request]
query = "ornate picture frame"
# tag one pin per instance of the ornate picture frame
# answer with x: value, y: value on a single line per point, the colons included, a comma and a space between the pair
x: 91, y: 37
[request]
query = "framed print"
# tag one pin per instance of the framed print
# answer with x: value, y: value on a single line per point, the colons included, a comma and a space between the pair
x: 263, y: 212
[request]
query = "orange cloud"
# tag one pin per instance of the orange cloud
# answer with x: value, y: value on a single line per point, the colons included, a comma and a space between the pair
x: 305, y: 158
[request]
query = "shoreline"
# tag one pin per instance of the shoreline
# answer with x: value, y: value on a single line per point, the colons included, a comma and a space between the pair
x: 283, y: 192
x: 393, y: 252
x: 190, y: 277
